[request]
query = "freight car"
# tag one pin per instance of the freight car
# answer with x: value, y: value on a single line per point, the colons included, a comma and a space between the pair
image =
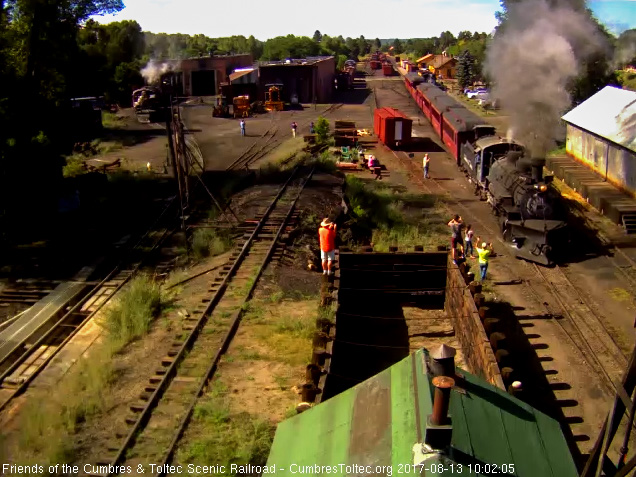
x: 392, y: 126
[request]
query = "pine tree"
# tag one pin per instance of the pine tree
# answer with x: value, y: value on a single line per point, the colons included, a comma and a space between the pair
x: 465, y: 69
x: 317, y: 36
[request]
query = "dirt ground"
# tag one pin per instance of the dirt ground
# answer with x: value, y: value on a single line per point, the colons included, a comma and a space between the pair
x: 262, y: 369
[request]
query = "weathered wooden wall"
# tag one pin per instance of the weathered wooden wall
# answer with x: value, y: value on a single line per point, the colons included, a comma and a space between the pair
x: 469, y: 330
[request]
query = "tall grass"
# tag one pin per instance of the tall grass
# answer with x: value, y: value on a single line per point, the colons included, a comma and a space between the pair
x: 131, y: 316
x: 226, y: 438
x: 385, y: 217
x: 209, y: 242
x: 50, y: 419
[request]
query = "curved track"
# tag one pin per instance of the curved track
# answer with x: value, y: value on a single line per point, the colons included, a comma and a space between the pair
x: 156, y: 423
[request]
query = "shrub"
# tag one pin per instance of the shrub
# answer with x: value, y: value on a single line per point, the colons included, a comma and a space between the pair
x: 206, y: 242
x: 74, y: 166
x: 132, y: 314
x: 322, y: 130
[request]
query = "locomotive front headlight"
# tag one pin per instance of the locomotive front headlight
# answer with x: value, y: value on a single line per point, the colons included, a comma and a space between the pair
x: 543, y: 188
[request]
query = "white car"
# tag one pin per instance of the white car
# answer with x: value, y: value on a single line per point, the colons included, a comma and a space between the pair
x: 475, y: 93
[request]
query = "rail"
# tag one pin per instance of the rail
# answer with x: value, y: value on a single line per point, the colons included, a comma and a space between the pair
x: 14, y: 379
x: 184, y: 349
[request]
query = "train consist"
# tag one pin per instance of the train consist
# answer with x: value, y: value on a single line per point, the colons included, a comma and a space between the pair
x: 531, y: 213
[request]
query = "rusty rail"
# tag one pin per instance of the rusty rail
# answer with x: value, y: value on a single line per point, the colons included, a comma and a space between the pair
x: 159, y: 384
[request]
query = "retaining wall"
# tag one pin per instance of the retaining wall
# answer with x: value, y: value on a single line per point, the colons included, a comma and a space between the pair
x: 464, y: 313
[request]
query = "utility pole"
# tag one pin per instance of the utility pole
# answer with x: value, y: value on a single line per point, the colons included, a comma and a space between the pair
x: 172, y: 128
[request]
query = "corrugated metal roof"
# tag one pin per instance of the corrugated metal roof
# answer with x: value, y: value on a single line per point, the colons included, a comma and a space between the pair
x: 238, y: 74
x: 381, y: 421
x: 610, y: 113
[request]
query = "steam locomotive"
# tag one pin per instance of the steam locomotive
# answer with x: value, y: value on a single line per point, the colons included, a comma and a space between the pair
x: 531, y: 211
x: 152, y: 103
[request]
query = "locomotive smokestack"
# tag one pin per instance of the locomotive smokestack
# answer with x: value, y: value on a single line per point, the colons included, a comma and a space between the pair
x: 537, y: 169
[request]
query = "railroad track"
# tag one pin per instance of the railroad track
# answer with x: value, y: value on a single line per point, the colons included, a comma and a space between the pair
x: 25, y: 361
x: 252, y: 154
x: 157, y: 421
x: 583, y: 326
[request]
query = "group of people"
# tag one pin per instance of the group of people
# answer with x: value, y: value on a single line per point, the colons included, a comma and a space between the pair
x: 462, y: 246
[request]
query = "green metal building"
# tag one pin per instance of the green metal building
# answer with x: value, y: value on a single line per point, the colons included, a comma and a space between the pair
x: 380, y: 427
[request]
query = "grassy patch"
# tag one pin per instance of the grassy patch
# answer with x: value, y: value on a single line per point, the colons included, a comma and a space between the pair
x: 385, y: 216
x: 50, y: 420
x: 225, y: 438
x: 559, y: 151
x: 627, y: 79
x: 131, y: 316
x: 210, y: 242
x: 112, y: 120
x: 75, y: 166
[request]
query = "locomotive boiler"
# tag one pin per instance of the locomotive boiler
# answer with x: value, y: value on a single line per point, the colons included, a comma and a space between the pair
x: 532, y: 213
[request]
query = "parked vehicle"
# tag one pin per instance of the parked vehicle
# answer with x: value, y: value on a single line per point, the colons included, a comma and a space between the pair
x: 476, y: 92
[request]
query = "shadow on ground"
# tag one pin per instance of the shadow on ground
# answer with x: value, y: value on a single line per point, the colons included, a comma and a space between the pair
x: 531, y: 369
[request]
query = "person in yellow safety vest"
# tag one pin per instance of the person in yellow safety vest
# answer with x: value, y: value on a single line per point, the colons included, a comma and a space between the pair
x: 425, y: 163
x: 484, y: 255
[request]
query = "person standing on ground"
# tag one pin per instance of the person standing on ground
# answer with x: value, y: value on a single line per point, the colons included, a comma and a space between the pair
x: 327, y: 236
x: 242, y: 124
x: 311, y: 128
x: 294, y: 127
x: 456, y: 233
x: 425, y: 164
x: 468, y: 238
x: 484, y: 256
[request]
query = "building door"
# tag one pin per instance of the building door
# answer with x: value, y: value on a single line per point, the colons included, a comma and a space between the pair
x: 398, y: 130
x: 204, y: 83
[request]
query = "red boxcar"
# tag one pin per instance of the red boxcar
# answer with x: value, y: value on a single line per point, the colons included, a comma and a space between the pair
x: 392, y: 126
x: 387, y: 69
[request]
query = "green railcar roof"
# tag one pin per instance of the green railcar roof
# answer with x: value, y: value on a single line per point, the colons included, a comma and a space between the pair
x: 374, y: 428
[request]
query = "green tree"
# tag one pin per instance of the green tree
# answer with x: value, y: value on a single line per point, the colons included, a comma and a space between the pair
x: 290, y: 46
x: 317, y: 36
x: 341, y: 62
x: 40, y: 58
x: 446, y: 39
x: 465, y: 69
x: 397, y: 47
x: 322, y: 130
x: 363, y: 45
x: 353, y: 47
x: 464, y: 36
x: 377, y: 43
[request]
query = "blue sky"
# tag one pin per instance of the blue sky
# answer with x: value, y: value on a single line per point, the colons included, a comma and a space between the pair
x: 371, y: 18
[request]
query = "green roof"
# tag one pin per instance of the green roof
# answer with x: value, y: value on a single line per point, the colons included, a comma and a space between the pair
x: 381, y: 421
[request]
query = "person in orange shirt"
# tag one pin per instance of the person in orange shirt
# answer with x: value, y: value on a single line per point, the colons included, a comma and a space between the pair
x: 327, y: 236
